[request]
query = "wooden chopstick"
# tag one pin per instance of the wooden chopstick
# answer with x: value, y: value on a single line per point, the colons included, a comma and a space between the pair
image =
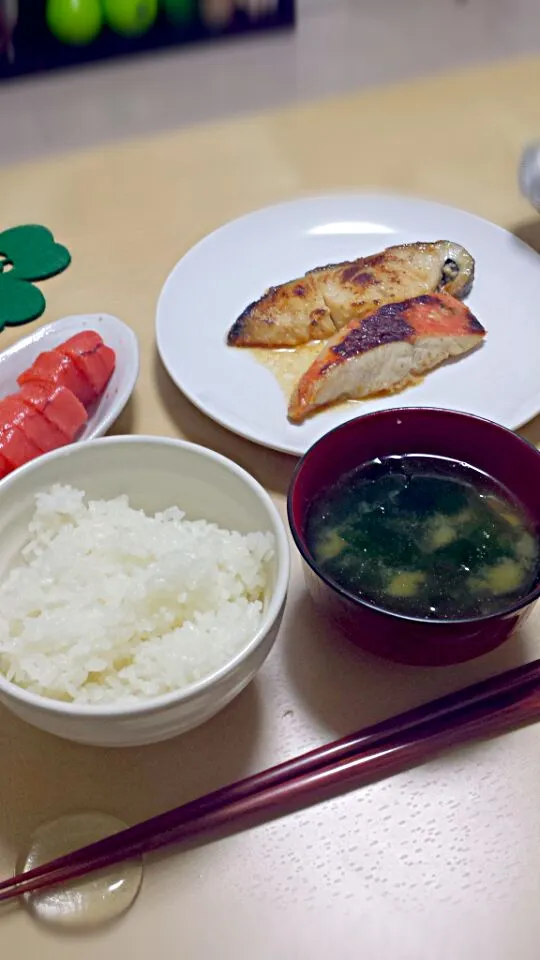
x: 483, y: 709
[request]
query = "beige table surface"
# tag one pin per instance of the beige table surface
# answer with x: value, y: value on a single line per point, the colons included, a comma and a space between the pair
x: 442, y: 862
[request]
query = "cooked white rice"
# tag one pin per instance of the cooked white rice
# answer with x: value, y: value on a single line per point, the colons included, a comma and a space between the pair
x: 109, y: 604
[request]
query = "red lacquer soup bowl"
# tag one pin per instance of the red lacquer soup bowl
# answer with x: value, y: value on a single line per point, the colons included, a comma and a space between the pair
x: 499, y: 452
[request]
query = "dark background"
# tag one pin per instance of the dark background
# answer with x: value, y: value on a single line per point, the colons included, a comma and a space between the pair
x: 37, y: 49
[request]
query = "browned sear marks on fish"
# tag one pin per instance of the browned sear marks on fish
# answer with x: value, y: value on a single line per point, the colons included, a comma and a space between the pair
x: 338, y: 293
x: 386, y: 326
x: 386, y: 351
x: 359, y: 277
x: 384, y: 319
x: 474, y: 325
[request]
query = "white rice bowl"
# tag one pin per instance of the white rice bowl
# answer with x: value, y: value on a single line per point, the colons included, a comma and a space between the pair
x: 110, y: 605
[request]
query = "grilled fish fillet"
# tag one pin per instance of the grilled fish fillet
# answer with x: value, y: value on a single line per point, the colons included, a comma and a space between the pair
x: 325, y: 299
x: 384, y: 352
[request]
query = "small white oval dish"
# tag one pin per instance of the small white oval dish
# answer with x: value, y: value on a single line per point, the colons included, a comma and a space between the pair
x: 115, y: 334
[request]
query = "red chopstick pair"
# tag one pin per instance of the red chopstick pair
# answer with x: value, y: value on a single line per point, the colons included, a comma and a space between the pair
x: 484, y: 709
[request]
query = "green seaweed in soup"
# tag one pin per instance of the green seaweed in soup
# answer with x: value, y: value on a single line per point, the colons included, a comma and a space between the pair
x: 424, y: 536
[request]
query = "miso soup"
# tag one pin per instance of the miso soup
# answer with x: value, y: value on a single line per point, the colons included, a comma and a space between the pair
x: 426, y: 537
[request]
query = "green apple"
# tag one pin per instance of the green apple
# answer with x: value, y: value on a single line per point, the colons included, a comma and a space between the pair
x: 77, y: 22
x: 130, y: 17
x: 180, y: 12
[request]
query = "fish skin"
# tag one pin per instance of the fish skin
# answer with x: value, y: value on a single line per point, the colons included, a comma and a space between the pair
x: 14, y: 412
x: 386, y: 351
x: 16, y: 448
x: 92, y: 357
x: 321, y: 302
x: 4, y: 467
x: 55, y: 368
x: 58, y: 405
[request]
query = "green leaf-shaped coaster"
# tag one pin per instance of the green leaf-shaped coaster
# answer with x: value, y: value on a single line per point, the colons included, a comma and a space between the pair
x: 20, y: 302
x: 27, y: 253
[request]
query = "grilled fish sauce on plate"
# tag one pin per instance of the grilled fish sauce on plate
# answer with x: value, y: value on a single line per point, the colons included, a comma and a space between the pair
x: 321, y: 302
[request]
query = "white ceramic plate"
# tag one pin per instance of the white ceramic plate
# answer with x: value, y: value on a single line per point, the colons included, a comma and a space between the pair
x: 116, y: 335
x: 219, y: 277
